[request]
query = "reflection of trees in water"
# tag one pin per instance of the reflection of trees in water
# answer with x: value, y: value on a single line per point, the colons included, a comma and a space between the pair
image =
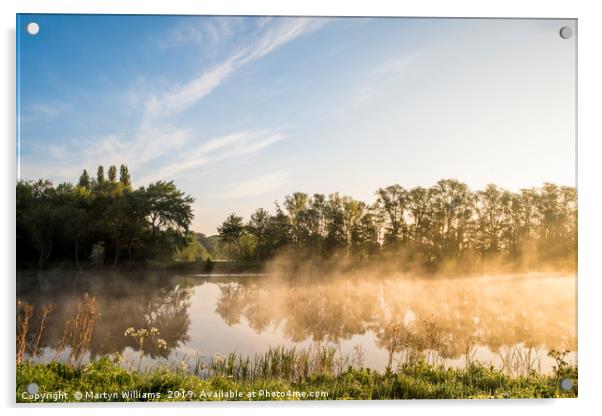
x: 237, y: 300
x: 322, y: 315
x: 440, y: 319
x: 436, y: 319
x: 230, y: 303
x: 122, y: 301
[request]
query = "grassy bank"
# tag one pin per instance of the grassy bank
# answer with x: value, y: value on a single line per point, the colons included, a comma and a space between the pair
x: 103, y: 380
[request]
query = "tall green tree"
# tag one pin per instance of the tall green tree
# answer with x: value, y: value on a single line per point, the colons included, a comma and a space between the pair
x: 42, y: 220
x: 258, y: 226
x: 167, y: 207
x: 84, y: 180
x: 493, y: 207
x: 392, y: 202
x: 112, y: 175
x: 124, y: 176
x: 334, y: 214
x: 296, y: 205
x: 420, y: 208
x: 100, y: 175
x: 453, y: 205
x: 230, y: 234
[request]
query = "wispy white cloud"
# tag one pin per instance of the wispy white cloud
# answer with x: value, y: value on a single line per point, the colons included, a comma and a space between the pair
x: 258, y: 185
x: 44, y: 110
x: 378, y: 80
x: 151, y: 157
x: 394, y: 66
x: 271, y: 36
x: 182, y: 97
x: 281, y: 33
x: 65, y: 162
x: 215, y: 150
x: 157, y: 150
x: 207, y: 32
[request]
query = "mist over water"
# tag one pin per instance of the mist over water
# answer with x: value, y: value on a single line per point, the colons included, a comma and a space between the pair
x: 510, y: 321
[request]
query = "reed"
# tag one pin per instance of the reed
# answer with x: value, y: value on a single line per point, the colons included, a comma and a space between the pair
x: 45, y: 311
x: 281, y: 363
x: 24, y: 312
x: 28, y: 337
x: 81, y: 329
x: 519, y: 360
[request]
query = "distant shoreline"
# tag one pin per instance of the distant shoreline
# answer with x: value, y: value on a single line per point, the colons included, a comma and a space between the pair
x: 214, y: 266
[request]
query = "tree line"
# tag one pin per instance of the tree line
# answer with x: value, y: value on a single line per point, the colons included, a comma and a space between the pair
x: 103, y: 218
x: 424, y: 226
x: 100, y: 218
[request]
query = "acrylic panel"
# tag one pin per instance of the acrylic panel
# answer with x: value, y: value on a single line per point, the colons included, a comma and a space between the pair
x: 315, y: 208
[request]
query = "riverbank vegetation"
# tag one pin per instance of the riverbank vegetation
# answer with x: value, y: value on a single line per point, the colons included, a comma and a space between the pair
x: 284, y: 374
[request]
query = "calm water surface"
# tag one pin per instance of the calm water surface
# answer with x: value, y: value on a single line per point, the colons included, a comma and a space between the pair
x: 497, y: 320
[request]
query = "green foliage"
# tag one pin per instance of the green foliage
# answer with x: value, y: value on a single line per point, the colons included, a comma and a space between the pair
x: 231, y: 234
x: 100, y: 175
x: 192, y: 251
x: 62, y: 222
x: 276, y: 371
x: 124, y: 176
x: 259, y: 227
x: 112, y: 174
x: 432, y: 228
x: 211, y: 244
x: 166, y: 206
x: 84, y: 180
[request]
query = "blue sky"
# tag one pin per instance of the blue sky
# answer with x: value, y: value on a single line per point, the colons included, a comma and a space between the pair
x: 240, y: 111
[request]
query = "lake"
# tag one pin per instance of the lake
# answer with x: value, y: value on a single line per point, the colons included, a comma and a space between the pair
x: 509, y: 321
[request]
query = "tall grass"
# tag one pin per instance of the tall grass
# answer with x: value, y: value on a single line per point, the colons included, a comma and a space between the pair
x: 280, y: 363
x: 277, y: 371
x: 519, y: 360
